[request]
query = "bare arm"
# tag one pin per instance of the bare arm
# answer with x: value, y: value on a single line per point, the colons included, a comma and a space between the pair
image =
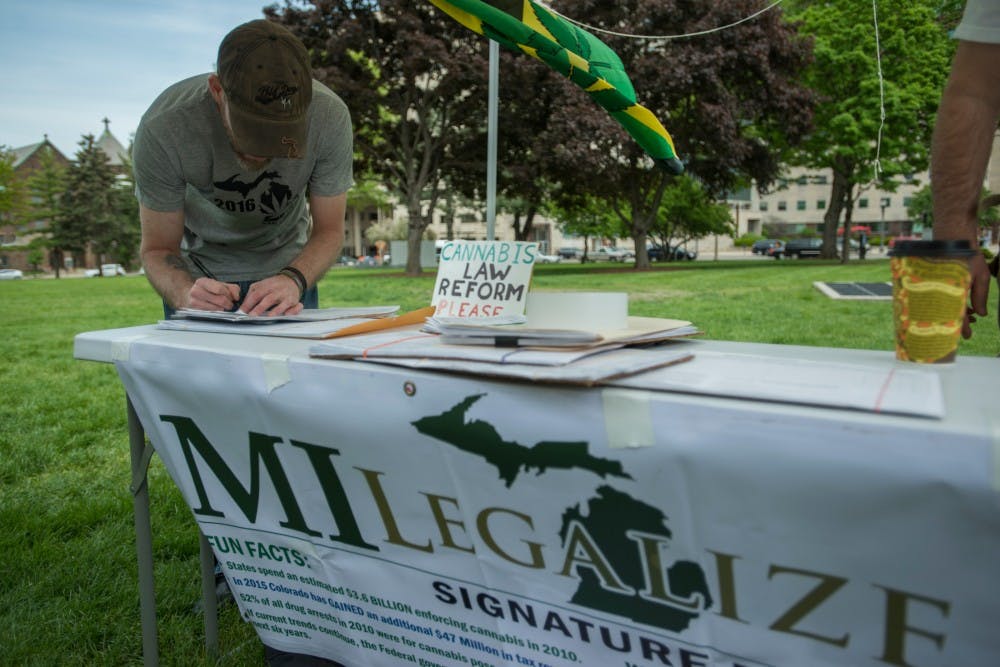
x: 280, y: 294
x: 963, y: 138
x: 166, y: 270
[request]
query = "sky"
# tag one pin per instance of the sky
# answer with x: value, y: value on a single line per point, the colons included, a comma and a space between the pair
x: 67, y: 64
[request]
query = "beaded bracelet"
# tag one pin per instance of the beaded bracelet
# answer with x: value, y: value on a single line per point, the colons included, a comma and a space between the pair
x: 297, y: 277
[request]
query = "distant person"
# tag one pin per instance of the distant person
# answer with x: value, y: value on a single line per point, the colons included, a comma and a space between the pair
x: 963, y: 139
x: 224, y: 163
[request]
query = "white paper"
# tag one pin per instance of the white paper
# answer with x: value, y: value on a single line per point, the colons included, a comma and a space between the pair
x: 306, y: 315
x: 413, y: 344
x: 316, y: 329
x: 595, y: 368
x: 892, y: 389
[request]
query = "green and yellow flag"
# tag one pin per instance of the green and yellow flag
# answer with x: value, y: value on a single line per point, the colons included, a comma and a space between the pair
x: 522, y: 25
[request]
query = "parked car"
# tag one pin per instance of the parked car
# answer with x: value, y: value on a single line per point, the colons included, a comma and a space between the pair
x: 611, y: 253
x: 570, y: 253
x: 10, y: 274
x: 800, y: 248
x: 680, y: 253
x: 542, y: 258
x: 657, y: 253
x: 107, y: 270
x: 767, y: 247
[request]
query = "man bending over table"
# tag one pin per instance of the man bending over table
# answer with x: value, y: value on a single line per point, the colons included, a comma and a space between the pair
x: 224, y: 163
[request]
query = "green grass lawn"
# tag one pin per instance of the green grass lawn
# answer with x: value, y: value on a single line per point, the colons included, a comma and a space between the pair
x: 68, y: 593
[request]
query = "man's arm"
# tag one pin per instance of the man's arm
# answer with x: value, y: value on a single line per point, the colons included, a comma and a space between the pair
x: 963, y: 139
x: 280, y: 294
x: 165, y: 268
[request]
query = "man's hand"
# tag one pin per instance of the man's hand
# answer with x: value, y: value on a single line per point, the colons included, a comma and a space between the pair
x: 277, y: 295
x: 208, y: 294
x: 978, y: 292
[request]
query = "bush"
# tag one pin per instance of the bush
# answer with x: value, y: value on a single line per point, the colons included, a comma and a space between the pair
x: 746, y: 240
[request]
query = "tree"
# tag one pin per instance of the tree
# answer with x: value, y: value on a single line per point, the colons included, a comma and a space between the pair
x: 448, y: 207
x: 12, y: 191
x: 528, y: 170
x: 88, y: 205
x: 45, y: 187
x: 585, y: 216
x: 848, y: 117
x: 921, y: 208
x: 688, y: 212
x: 730, y: 99
x: 125, y: 233
x: 367, y: 192
x: 407, y: 73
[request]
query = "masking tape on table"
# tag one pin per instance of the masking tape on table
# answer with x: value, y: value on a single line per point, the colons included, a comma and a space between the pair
x: 627, y: 419
x: 590, y: 311
x: 122, y: 348
x: 276, y: 373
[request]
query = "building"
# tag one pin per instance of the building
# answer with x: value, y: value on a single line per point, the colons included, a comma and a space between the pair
x: 800, y: 200
x: 13, y: 238
x: 27, y: 160
x: 109, y: 144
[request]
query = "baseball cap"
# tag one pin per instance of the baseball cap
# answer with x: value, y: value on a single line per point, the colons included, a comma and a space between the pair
x: 264, y: 70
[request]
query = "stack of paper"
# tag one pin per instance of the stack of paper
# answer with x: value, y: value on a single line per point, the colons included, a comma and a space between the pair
x: 317, y: 323
x: 434, y: 323
x: 514, y: 336
x: 585, y: 365
x: 638, y: 330
x: 519, y: 351
x: 307, y: 315
x: 411, y: 343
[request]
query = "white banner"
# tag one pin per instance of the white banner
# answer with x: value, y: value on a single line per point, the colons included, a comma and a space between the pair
x: 380, y: 516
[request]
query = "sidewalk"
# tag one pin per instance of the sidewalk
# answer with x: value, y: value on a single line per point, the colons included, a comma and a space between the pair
x: 741, y: 254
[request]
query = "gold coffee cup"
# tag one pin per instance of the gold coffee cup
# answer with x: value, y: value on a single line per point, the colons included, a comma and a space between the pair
x: 930, y: 290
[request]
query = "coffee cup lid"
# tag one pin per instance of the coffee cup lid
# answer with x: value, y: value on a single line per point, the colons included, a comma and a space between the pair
x: 942, y: 248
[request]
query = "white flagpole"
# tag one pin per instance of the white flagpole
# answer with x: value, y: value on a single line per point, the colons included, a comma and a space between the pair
x: 491, y: 141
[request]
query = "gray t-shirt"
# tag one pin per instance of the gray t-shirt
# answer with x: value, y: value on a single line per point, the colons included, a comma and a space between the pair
x: 238, y: 224
x: 980, y: 22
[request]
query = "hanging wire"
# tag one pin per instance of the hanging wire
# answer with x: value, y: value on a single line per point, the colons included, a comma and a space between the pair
x: 881, y: 92
x: 661, y: 37
x: 878, y: 56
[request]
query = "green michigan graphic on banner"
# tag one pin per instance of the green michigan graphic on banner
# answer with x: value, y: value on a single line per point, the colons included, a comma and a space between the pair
x: 611, y: 519
x: 522, y: 25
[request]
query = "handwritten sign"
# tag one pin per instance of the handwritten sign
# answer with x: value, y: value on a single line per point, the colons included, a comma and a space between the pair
x: 483, y: 278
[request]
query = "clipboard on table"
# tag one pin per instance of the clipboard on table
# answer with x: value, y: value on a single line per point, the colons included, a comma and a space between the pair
x: 320, y: 329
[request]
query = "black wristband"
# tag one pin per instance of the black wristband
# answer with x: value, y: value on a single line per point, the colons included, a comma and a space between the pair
x: 296, y: 276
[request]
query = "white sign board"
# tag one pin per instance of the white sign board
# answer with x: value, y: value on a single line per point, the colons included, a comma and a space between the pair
x: 483, y: 278
x: 382, y: 516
